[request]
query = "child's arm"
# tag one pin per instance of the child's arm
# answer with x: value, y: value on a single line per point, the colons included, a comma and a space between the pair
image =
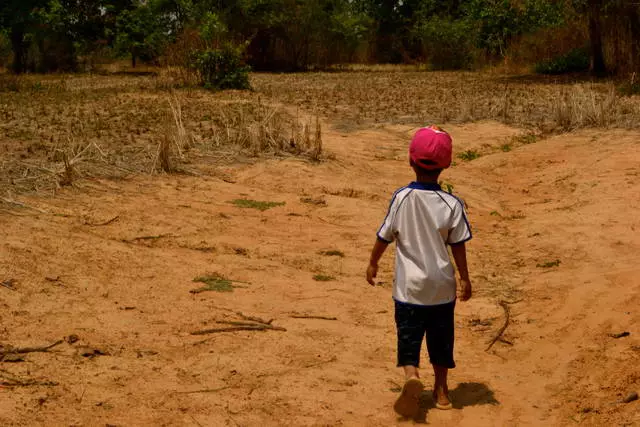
x: 376, y: 254
x: 459, y: 252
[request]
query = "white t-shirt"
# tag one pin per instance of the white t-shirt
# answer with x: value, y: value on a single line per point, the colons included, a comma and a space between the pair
x: 423, y: 219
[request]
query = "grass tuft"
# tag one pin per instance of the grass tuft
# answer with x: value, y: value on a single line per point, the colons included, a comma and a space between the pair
x: 468, y: 155
x: 213, y: 283
x: 255, y: 204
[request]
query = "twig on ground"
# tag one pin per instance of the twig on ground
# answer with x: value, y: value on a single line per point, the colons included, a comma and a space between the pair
x: 239, y: 327
x: 100, y: 224
x: 136, y: 239
x: 302, y: 316
x: 7, y: 379
x: 24, y: 350
x: 23, y: 205
x: 507, y: 315
x: 9, y: 284
x: 204, y: 390
x: 254, y: 318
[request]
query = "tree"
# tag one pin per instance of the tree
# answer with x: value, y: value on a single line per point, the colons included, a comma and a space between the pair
x: 19, y: 17
x: 141, y: 32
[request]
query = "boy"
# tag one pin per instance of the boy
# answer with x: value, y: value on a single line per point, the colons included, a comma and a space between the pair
x: 423, y: 220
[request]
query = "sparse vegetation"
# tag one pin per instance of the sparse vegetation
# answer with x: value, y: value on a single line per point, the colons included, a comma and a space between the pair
x: 323, y: 278
x: 447, y: 186
x: 525, y: 138
x: 215, y: 283
x: 255, y: 204
x: 468, y: 155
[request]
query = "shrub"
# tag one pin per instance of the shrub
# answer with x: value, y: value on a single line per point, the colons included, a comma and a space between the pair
x: 448, y: 45
x: 222, y: 68
x: 576, y: 60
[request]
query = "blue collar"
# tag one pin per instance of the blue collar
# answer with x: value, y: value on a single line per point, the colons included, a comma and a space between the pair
x: 425, y: 186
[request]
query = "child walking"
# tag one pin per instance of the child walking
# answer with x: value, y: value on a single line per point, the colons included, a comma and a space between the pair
x: 422, y: 220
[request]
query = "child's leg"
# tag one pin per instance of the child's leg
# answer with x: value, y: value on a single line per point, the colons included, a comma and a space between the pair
x: 440, y: 340
x: 440, y: 387
x: 411, y: 372
x: 410, y: 329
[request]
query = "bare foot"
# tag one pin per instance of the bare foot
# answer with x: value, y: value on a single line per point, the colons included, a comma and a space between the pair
x: 408, y: 404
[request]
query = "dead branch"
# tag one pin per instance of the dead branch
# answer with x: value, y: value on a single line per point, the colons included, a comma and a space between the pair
x: 303, y: 316
x: 205, y: 390
x: 24, y: 350
x: 137, y: 239
x: 240, y: 327
x: 100, y: 224
x: 507, y: 314
x: 7, y: 379
x: 9, y: 284
x: 254, y: 318
x: 23, y: 205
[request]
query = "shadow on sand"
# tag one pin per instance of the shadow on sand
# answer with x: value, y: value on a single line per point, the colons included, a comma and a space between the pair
x: 465, y: 394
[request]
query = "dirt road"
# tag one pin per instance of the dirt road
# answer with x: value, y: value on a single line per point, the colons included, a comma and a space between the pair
x: 555, y: 236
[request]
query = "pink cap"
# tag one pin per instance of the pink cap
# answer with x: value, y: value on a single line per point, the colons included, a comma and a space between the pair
x: 431, y: 148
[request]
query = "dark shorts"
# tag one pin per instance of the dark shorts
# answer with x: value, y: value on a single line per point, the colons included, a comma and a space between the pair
x: 414, y: 321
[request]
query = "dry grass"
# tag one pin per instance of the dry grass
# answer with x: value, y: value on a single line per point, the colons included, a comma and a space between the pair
x: 57, y: 129
x: 358, y: 99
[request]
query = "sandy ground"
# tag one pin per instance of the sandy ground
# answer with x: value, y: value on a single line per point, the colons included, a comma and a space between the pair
x: 572, y: 198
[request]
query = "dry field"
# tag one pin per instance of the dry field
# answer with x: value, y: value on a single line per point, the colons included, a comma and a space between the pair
x: 264, y: 221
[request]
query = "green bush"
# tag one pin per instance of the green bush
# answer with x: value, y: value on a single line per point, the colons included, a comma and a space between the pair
x: 447, y: 44
x: 575, y: 60
x: 222, y: 68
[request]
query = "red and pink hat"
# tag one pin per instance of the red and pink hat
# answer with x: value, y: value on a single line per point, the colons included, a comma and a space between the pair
x: 431, y: 148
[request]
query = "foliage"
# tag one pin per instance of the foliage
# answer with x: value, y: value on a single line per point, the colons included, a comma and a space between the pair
x: 576, y: 60
x: 468, y: 155
x: 140, y: 33
x: 448, y: 45
x: 291, y: 35
x: 222, y: 68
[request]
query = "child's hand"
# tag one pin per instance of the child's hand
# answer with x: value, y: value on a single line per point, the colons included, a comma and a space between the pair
x: 372, y: 272
x: 465, y: 289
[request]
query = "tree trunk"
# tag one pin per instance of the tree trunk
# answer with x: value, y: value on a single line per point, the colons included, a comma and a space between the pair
x: 133, y: 60
x: 598, y: 67
x: 18, y: 48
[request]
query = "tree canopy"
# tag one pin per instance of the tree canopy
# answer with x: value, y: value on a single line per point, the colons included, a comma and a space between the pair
x: 289, y: 35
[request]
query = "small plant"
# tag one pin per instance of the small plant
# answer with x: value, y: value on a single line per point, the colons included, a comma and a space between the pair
x: 323, y: 278
x: 632, y: 87
x: 549, y: 264
x: 447, y: 186
x: 332, y: 252
x: 213, y: 282
x: 576, y: 60
x: 495, y: 213
x: 222, y: 68
x: 505, y: 147
x: 255, y: 204
x: 525, y: 138
x: 468, y: 155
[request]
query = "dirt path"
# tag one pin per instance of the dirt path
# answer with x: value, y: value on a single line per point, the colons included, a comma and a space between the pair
x: 556, y: 235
